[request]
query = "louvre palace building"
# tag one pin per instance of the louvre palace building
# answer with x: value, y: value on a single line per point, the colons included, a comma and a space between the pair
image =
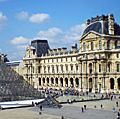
x: 95, y: 67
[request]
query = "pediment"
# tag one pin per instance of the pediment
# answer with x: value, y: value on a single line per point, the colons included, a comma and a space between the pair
x: 90, y: 35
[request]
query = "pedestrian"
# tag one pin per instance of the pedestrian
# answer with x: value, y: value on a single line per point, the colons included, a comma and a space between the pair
x: 40, y: 107
x: 101, y: 106
x: 62, y: 117
x: 113, y: 109
x: 82, y: 109
x: 118, y: 115
x: 85, y: 107
x: 111, y: 97
x: 117, y: 104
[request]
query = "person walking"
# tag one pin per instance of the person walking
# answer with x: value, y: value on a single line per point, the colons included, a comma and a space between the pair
x: 82, y: 109
x: 117, y: 104
x: 85, y: 107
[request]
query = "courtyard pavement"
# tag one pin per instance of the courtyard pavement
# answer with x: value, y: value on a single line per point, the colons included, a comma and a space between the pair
x: 69, y: 111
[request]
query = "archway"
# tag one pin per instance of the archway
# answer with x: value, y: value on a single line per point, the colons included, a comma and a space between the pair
x: 71, y: 82
x: 66, y: 82
x: 118, y: 81
x: 61, y: 82
x: 112, y: 83
x: 77, y: 82
x: 90, y: 85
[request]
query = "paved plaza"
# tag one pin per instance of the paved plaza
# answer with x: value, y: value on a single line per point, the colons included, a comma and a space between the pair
x: 69, y: 111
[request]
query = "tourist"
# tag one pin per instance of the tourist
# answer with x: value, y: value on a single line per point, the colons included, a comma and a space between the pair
x: 62, y: 117
x: 101, y: 106
x: 82, y: 109
x: 117, y: 104
x: 118, y: 115
x: 113, y: 109
x: 40, y: 107
x: 85, y: 107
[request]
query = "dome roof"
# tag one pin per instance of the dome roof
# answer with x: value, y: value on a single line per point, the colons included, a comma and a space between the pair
x: 101, y: 26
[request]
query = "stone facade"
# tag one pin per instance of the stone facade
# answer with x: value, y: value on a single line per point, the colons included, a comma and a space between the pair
x: 94, y: 68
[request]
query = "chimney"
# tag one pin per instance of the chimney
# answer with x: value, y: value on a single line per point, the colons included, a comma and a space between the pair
x: 111, y: 24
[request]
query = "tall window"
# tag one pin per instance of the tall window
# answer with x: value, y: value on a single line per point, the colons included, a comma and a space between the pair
x: 61, y: 68
x: 99, y: 67
x: 116, y: 44
x: 92, y: 46
x: 76, y: 67
x: 100, y: 45
x: 57, y: 68
x: 84, y: 47
x: 90, y: 68
x: 71, y: 67
x: 117, y: 55
x: 44, y: 69
x: 39, y: 67
x: 108, y: 67
x: 52, y: 69
x: 118, y: 68
x: 66, y: 67
x: 48, y: 69
x: 108, y: 44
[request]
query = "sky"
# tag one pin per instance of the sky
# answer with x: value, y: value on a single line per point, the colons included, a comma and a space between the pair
x: 61, y: 22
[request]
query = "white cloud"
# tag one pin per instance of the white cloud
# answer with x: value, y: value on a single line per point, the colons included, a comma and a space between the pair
x: 19, y: 40
x: 3, y: 18
x: 22, y: 47
x: 22, y: 15
x: 39, y: 18
x: 57, y: 37
x: 75, y: 33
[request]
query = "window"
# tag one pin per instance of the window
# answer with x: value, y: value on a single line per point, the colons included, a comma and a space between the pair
x: 116, y: 44
x: 108, y: 67
x: 117, y: 55
x: 44, y: 69
x: 84, y: 47
x: 48, y: 69
x: 57, y: 68
x: 99, y: 67
x: 61, y: 59
x: 76, y: 67
x: 61, y: 68
x: 52, y: 69
x: 66, y: 67
x: 118, y: 69
x: 108, y: 44
x: 39, y: 67
x: 71, y: 67
x: 100, y: 45
x: 92, y: 46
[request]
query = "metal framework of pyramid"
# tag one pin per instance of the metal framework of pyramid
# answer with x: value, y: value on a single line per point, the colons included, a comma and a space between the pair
x: 50, y: 101
x: 13, y: 86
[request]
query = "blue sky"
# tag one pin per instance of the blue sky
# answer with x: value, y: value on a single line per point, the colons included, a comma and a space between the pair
x: 61, y: 22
